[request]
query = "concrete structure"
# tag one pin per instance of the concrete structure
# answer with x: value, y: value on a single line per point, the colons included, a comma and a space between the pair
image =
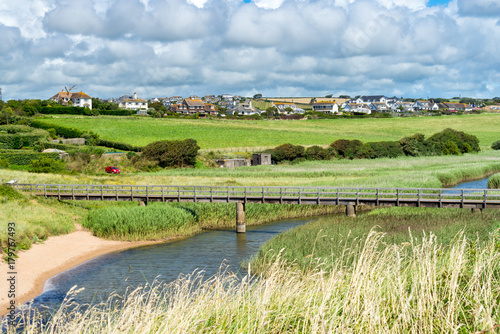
x: 261, y: 159
x: 70, y: 141
x: 240, y: 218
x: 231, y: 163
x: 62, y: 154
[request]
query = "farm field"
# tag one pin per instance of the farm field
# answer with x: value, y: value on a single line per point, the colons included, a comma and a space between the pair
x: 222, y: 134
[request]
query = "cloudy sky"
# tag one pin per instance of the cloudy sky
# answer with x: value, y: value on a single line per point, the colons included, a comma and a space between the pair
x: 158, y: 48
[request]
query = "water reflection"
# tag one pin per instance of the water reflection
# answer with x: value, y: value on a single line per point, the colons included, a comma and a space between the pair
x: 206, y: 252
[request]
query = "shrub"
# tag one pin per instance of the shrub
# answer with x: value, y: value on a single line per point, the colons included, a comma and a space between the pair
x: 496, y: 145
x: 414, y: 145
x: 318, y: 153
x: 47, y: 165
x: 451, y: 148
x: 352, y: 149
x: 439, y: 143
x: 4, y: 163
x: 288, y: 152
x: 24, y: 157
x: 340, y: 146
x: 386, y: 149
x: 118, y: 145
x: 117, y: 112
x: 19, y: 136
x: 60, y: 130
x: 172, y: 153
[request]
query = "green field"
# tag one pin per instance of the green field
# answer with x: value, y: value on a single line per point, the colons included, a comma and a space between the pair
x: 212, y: 134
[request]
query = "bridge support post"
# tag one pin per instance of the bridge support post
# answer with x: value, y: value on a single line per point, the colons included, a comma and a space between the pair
x: 350, y: 210
x: 240, y: 218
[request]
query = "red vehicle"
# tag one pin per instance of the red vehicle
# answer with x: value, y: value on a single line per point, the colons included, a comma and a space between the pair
x: 113, y: 170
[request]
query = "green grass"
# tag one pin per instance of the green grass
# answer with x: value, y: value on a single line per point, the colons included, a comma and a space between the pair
x: 325, y: 240
x: 213, y: 134
x: 35, y: 219
x: 494, y: 182
x: 417, y: 287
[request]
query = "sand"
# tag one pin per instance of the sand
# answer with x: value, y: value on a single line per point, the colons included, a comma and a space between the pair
x: 55, y: 255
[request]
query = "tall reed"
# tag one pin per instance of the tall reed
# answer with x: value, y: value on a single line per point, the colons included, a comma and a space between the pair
x: 494, y: 182
x: 418, y: 287
x: 165, y: 220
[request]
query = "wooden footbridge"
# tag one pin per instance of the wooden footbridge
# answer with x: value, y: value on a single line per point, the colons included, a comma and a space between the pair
x: 475, y: 199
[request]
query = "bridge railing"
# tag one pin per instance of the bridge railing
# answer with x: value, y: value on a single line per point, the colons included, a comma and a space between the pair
x: 240, y: 192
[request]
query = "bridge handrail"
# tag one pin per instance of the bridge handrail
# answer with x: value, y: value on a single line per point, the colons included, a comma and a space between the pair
x: 421, y: 194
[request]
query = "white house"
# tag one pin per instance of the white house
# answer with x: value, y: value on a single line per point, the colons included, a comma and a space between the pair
x: 326, y: 107
x: 77, y: 99
x: 362, y: 108
x: 425, y: 105
x: 132, y: 102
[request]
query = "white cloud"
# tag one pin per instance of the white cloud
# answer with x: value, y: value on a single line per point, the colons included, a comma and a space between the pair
x: 289, y: 47
x: 479, y: 7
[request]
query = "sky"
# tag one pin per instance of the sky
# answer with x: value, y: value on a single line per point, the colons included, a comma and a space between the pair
x: 160, y: 48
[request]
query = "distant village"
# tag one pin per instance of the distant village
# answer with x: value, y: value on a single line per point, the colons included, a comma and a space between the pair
x: 234, y: 105
x: 227, y: 104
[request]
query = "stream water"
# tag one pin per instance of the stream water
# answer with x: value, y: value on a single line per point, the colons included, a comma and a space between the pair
x: 205, y: 252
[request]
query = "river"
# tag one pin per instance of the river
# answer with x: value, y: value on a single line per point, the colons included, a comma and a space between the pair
x: 206, y: 252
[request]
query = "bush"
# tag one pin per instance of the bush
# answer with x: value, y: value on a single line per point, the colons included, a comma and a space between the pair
x: 496, y: 145
x: 352, y: 149
x: 19, y: 136
x: 414, y: 145
x: 386, y: 149
x: 439, y: 143
x: 451, y: 148
x: 47, y: 165
x: 118, y: 145
x: 24, y: 157
x: 4, y: 163
x: 117, y: 112
x: 60, y: 130
x: 172, y: 153
x: 318, y: 153
x: 288, y: 152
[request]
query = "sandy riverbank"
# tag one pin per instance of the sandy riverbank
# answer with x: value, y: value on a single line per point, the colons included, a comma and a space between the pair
x: 55, y: 255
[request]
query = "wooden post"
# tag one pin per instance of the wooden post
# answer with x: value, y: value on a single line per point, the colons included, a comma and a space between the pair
x: 240, y: 217
x: 350, y: 211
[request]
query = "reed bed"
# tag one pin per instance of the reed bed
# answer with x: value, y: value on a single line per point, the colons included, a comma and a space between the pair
x: 160, y: 220
x: 418, y: 287
x: 494, y: 182
x: 327, y: 238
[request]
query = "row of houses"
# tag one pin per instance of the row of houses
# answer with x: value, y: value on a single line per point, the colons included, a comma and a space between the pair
x: 235, y: 105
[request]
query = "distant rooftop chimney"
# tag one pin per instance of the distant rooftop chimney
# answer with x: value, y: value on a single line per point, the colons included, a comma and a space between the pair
x: 135, y: 96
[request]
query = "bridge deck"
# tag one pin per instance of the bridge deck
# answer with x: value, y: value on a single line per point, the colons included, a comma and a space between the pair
x: 409, y: 197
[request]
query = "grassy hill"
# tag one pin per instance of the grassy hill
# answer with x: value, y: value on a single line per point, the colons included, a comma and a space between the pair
x: 214, y: 133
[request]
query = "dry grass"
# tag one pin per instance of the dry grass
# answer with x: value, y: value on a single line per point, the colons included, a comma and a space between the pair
x: 409, y: 288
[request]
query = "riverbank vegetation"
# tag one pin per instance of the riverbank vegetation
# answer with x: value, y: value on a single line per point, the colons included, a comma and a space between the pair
x: 162, y: 221
x: 35, y: 219
x: 373, y: 286
x: 494, y: 182
x: 325, y: 240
